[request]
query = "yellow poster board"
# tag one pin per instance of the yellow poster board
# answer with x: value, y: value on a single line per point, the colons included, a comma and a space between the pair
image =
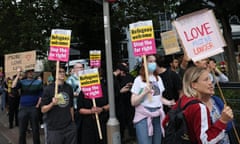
x: 170, y: 42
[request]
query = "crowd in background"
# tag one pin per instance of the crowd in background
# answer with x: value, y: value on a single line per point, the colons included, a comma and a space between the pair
x: 166, y: 75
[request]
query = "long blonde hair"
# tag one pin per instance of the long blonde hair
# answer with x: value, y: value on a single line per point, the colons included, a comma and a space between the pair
x: 190, y: 76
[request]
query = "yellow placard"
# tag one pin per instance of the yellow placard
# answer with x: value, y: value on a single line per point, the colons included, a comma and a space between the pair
x: 60, y: 40
x: 89, y: 79
x: 142, y: 33
x: 170, y: 42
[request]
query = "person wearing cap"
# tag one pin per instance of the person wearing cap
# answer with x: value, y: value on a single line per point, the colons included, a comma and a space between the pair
x: 30, y: 97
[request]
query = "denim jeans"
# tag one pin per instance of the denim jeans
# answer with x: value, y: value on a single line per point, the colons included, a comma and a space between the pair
x: 25, y: 115
x: 142, y: 130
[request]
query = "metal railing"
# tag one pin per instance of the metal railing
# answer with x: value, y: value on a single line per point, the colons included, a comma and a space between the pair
x: 231, y: 93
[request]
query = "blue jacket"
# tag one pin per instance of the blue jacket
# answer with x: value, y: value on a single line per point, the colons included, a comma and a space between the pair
x: 220, y: 105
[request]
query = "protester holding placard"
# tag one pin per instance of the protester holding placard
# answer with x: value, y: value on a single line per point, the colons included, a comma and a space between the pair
x: 205, y: 123
x: 58, y: 108
x: 148, y: 112
x: 31, y: 92
x: 186, y: 63
x: 89, y: 133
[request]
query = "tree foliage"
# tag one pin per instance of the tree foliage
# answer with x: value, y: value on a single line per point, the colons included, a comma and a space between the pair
x: 126, y: 12
x: 26, y: 25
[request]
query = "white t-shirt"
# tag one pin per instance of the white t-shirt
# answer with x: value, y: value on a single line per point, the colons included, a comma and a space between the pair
x: 157, y: 87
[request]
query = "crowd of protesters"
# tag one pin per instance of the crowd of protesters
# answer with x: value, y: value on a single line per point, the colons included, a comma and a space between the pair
x: 28, y: 102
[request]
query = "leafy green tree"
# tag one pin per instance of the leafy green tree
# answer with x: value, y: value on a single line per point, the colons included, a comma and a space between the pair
x: 25, y: 25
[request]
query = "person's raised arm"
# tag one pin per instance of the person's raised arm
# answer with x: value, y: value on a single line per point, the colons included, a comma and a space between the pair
x: 14, y: 83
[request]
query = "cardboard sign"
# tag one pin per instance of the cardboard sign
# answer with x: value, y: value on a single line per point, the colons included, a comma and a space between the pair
x: 142, y: 36
x: 23, y: 60
x: 90, y: 83
x: 60, y: 45
x: 200, y: 34
x: 170, y: 42
x: 95, y: 58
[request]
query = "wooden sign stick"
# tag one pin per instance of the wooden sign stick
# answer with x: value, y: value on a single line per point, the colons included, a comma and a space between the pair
x: 56, y: 81
x: 146, y: 74
x: 97, y: 118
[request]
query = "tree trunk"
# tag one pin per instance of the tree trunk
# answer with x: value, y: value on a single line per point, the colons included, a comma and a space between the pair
x: 229, y: 50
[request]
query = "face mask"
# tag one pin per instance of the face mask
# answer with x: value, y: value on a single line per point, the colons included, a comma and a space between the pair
x: 152, y: 66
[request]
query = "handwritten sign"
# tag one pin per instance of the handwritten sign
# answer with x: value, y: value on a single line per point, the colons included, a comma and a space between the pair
x: 90, y: 83
x: 170, y: 42
x: 60, y: 45
x: 23, y: 60
x: 95, y: 58
x: 142, y: 36
x: 200, y: 34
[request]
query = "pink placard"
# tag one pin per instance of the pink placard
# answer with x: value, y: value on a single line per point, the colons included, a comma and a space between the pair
x: 92, y: 91
x: 59, y: 54
x: 95, y: 63
x: 144, y: 47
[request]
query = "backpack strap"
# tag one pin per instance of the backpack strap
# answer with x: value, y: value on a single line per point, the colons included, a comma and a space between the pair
x: 189, y: 103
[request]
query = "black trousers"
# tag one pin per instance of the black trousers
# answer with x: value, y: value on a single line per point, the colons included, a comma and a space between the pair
x: 13, y: 103
x: 25, y: 115
x: 67, y: 135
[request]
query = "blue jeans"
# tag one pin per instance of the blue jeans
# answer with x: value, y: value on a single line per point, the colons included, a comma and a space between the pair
x: 142, y: 131
x: 25, y: 115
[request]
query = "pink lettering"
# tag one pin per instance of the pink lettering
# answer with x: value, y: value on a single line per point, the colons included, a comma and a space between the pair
x: 202, y: 48
x: 196, y: 32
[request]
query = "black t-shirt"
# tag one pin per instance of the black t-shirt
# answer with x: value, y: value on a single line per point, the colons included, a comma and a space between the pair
x: 172, y: 84
x: 59, y: 117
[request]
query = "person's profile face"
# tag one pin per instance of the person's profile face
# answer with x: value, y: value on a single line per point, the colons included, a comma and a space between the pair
x: 204, y: 84
x: 78, y: 67
x: 212, y: 64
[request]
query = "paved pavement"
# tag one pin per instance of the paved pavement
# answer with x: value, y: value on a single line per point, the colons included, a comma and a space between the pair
x: 10, y: 136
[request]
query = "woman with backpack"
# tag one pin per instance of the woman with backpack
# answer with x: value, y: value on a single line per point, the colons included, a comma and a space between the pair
x: 148, y: 111
x: 197, y: 85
